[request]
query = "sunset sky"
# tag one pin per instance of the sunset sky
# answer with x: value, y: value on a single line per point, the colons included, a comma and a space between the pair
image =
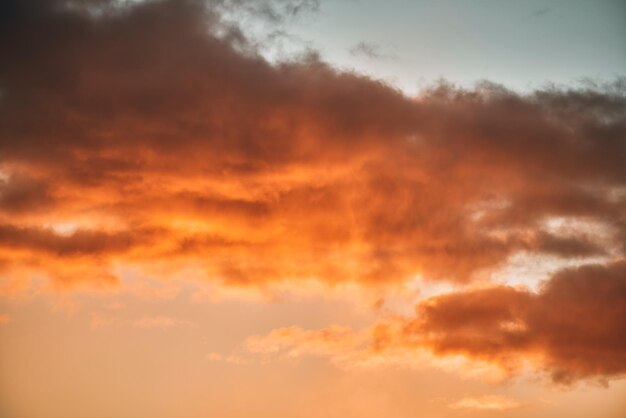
x: 312, y: 208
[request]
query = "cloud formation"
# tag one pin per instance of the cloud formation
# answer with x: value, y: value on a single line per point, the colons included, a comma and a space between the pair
x: 574, y: 328
x: 295, y: 342
x: 159, y: 133
x: 369, y: 50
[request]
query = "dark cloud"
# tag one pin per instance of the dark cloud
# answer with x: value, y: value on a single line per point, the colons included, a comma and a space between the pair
x: 274, y: 11
x: 79, y: 243
x: 22, y: 194
x: 159, y: 116
x: 574, y: 328
x: 369, y: 50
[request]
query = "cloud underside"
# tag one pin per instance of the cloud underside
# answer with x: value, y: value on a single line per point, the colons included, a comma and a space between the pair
x: 155, y: 135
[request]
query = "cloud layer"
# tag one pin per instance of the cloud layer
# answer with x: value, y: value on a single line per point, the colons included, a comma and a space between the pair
x: 153, y: 136
x: 155, y: 132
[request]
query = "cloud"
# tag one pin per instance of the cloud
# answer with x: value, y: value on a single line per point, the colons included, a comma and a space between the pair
x: 486, y: 403
x: 82, y: 242
x: 295, y: 342
x: 350, y: 349
x: 274, y: 11
x: 369, y: 50
x: 573, y: 329
x: 4, y: 319
x: 19, y: 195
x: 160, y: 131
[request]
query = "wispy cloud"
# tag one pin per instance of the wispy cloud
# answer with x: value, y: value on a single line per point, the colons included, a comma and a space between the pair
x: 370, y: 50
x: 486, y: 403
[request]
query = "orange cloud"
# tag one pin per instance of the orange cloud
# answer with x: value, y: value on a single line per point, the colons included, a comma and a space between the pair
x: 295, y: 342
x: 486, y: 403
x: 573, y: 328
x: 162, y: 138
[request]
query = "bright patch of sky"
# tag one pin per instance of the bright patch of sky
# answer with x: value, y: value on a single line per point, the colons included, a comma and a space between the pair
x: 521, y: 44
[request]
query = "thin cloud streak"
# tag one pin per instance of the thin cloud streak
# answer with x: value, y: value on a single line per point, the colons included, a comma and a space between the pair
x: 486, y: 403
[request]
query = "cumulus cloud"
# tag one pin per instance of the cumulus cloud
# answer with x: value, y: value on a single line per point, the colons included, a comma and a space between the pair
x: 574, y: 328
x: 162, y: 132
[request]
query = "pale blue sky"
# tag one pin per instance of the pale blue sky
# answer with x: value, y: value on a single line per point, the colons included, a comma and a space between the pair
x: 520, y: 43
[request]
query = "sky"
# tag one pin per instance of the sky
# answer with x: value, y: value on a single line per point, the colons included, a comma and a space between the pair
x: 524, y: 45
x: 302, y: 208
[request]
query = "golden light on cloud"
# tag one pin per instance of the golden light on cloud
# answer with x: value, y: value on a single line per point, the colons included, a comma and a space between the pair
x: 167, y: 190
x: 485, y: 403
